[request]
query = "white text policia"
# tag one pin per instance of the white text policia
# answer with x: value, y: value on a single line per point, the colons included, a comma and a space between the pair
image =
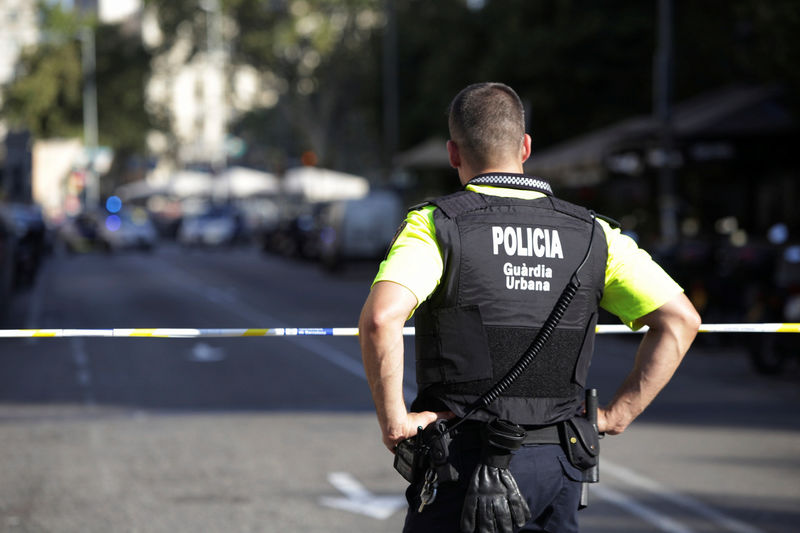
x: 527, y: 242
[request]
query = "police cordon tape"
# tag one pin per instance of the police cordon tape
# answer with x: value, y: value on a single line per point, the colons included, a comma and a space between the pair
x: 189, y: 333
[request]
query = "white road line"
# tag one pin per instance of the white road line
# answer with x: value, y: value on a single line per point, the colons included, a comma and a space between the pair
x: 660, y: 521
x: 347, y: 363
x: 251, y: 314
x: 639, y: 481
x: 357, y: 499
x: 83, y: 374
x: 34, y: 316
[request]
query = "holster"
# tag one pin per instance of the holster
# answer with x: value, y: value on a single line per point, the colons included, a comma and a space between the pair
x: 581, y: 442
x: 429, y: 448
x: 409, y: 459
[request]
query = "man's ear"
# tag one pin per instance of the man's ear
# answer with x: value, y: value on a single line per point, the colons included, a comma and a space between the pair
x: 527, y: 147
x: 453, y: 154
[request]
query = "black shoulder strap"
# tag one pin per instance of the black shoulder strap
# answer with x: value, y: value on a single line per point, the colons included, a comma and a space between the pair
x: 571, y: 209
x: 459, y: 202
x: 611, y: 222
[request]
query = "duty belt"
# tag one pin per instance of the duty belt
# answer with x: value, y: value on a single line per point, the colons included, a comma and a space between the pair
x: 470, y: 434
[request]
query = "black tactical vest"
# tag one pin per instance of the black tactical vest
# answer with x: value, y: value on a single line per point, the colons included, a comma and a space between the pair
x: 506, y: 262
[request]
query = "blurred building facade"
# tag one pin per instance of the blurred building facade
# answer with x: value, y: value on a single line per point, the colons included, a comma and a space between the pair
x: 190, y: 90
x: 197, y: 89
x: 18, y: 18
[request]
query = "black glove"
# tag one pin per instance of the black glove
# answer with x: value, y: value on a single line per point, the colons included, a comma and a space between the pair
x: 494, y: 503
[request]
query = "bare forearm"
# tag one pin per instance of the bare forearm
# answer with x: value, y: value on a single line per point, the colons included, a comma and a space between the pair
x: 381, y: 336
x: 382, y: 354
x: 672, y: 330
x: 657, y: 360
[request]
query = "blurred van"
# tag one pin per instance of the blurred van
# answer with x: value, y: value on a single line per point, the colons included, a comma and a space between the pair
x: 361, y: 228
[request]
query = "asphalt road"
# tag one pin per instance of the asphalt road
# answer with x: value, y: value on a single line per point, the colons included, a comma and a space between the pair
x: 278, y: 434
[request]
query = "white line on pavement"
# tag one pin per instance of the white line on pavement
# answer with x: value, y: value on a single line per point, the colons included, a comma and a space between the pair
x: 357, y: 499
x: 83, y: 374
x: 660, y: 521
x: 641, y: 482
x: 347, y: 363
x: 34, y: 316
x: 238, y: 307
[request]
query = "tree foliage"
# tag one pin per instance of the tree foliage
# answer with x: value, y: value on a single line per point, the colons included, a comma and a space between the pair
x: 46, y: 96
x: 744, y: 41
x: 318, y: 55
x: 123, y: 65
x: 577, y: 64
x: 316, y: 60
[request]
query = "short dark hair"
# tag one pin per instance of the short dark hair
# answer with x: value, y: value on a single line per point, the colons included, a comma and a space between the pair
x: 487, y: 122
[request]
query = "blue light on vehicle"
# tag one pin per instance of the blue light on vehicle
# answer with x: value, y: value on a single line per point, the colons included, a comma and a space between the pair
x: 778, y: 233
x: 113, y: 204
x: 792, y: 254
x: 113, y: 223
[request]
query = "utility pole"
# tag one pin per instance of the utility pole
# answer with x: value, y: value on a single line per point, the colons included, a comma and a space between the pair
x: 389, y: 86
x: 662, y: 96
x: 90, y: 128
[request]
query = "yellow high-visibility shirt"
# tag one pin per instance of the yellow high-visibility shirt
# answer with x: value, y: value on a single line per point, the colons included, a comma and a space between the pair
x: 634, y: 286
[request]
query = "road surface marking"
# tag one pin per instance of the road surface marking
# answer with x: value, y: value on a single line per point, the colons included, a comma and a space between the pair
x: 205, y: 353
x: 357, y: 499
x: 83, y: 374
x: 251, y: 314
x: 34, y: 316
x: 639, y: 481
x: 354, y: 367
x: 660, y: 521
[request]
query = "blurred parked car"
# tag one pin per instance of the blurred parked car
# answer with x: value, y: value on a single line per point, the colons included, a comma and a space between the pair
x: 305, y: 231
x: 283, y: 235
x: 80, y: 233
x: 777, y: 300
x: 758, y: 282
x: 126, y: 230
x: 219, y: 225
x: 7, y: 246
x: 259, y: 213
x: 32, y: 241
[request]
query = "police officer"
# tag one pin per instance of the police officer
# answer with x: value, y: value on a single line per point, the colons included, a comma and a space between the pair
x: 482, y: 269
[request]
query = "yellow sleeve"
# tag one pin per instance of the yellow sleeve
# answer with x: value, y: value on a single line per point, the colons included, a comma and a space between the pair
x: 635, y: 283
x: 414, y: 259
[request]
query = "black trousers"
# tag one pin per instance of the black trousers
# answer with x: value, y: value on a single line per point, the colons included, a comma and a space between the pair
x: 549, y: 483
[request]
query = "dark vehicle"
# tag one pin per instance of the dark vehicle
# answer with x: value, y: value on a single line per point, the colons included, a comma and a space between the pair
x: 757, y: 282
x: 31, y: 237
x: 7, y: 246
x: 777, y: 300
x: 81, y: 234
x: 297, y: 232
